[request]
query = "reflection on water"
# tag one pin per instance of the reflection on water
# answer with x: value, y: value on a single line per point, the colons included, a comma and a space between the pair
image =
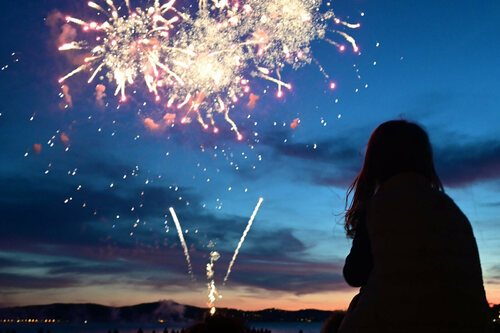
x: 147, y: 328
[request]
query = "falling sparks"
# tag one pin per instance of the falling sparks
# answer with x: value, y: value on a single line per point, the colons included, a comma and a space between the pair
x: 242, y: 239
x: 183, y: 242
x: 204, y: 64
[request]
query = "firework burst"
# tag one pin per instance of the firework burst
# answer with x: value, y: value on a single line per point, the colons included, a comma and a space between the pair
x: 128, y: 47
x: 205, y: 63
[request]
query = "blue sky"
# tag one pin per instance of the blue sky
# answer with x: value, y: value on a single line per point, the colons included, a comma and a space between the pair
x: 436, y: 63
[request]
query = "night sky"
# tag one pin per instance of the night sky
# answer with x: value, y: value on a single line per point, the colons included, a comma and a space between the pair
x: 85, y: 189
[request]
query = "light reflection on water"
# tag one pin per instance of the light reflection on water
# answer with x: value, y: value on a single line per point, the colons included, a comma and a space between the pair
x: 147, y: 328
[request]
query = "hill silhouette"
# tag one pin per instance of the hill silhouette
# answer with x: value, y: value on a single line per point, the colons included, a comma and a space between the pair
x: 150, y: 313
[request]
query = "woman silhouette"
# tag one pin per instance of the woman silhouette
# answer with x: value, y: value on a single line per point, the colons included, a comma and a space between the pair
x: 413, y: 253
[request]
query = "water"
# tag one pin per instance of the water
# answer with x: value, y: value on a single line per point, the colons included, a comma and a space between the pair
x: 289, y: 327
x: 86, y: 328
x: 147, y: 328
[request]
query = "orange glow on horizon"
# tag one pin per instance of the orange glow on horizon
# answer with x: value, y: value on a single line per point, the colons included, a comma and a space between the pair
x: 249, y: 299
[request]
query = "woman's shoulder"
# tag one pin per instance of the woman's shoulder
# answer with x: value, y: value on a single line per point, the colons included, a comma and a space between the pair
x: 408, y: 187
x: 411, y: 194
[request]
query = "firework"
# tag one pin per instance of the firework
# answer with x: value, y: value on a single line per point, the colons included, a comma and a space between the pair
x: 284, y: 30
x: 242, y: 239
x: 205, y: 63
x: 183, y: 242
x: 126, y: 47
x: 210, y: 64
x: 213, y: 294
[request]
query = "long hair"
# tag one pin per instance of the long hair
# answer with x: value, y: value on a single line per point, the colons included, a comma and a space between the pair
x: 395, y: 146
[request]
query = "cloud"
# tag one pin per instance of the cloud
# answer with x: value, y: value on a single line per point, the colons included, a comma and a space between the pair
x: 426, y: 105
x: 337, y: 160
x: 337, y: 150
x: 490, y: 204
x: 23, y: 281
x: 293, y: 275
x: 464, y: 164
x: 333, y: 161
x: 66, y: 245
x: 493, y: 275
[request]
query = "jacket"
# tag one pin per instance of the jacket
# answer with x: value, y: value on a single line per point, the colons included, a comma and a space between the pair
x: 426, y: 274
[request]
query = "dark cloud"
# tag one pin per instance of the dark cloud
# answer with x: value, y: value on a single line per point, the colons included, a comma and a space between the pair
x: 24, y: 281
x: 278, y: 244
x: 333, y: 161
x: 337, y: 160
x: 490, y: 204
x: 462, y: 164
x: 428, y: 104
x: 37, y: 221
x: 493, y: 275
x: 343, y: 151
x: 293, y: 275
x: 340, y: 179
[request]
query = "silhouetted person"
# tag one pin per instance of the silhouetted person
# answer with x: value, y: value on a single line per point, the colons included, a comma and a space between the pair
x: 218, y: 324
x: 413, y: 253
x: 333, y: 322
x: 140, y: 330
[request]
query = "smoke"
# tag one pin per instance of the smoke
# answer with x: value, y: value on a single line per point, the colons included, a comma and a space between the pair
x: 54, y: 19
x: 65, y: 139
x: 151, y: 125
x: 100, y: 94
x: 62, y: 33
x: 67, y: 97
x: 68, y: 34
x: 37, y: 148
x: 252, y: 101
x: 169, y: 118
x: 169, y: 309
x: 295, y: 123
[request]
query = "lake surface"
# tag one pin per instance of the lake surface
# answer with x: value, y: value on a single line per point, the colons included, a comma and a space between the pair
x: 147, y: 328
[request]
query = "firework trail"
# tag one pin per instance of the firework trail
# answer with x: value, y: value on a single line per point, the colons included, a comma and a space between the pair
x: 213, y: 294
x: 242, y: 239
x: 183, y: 242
